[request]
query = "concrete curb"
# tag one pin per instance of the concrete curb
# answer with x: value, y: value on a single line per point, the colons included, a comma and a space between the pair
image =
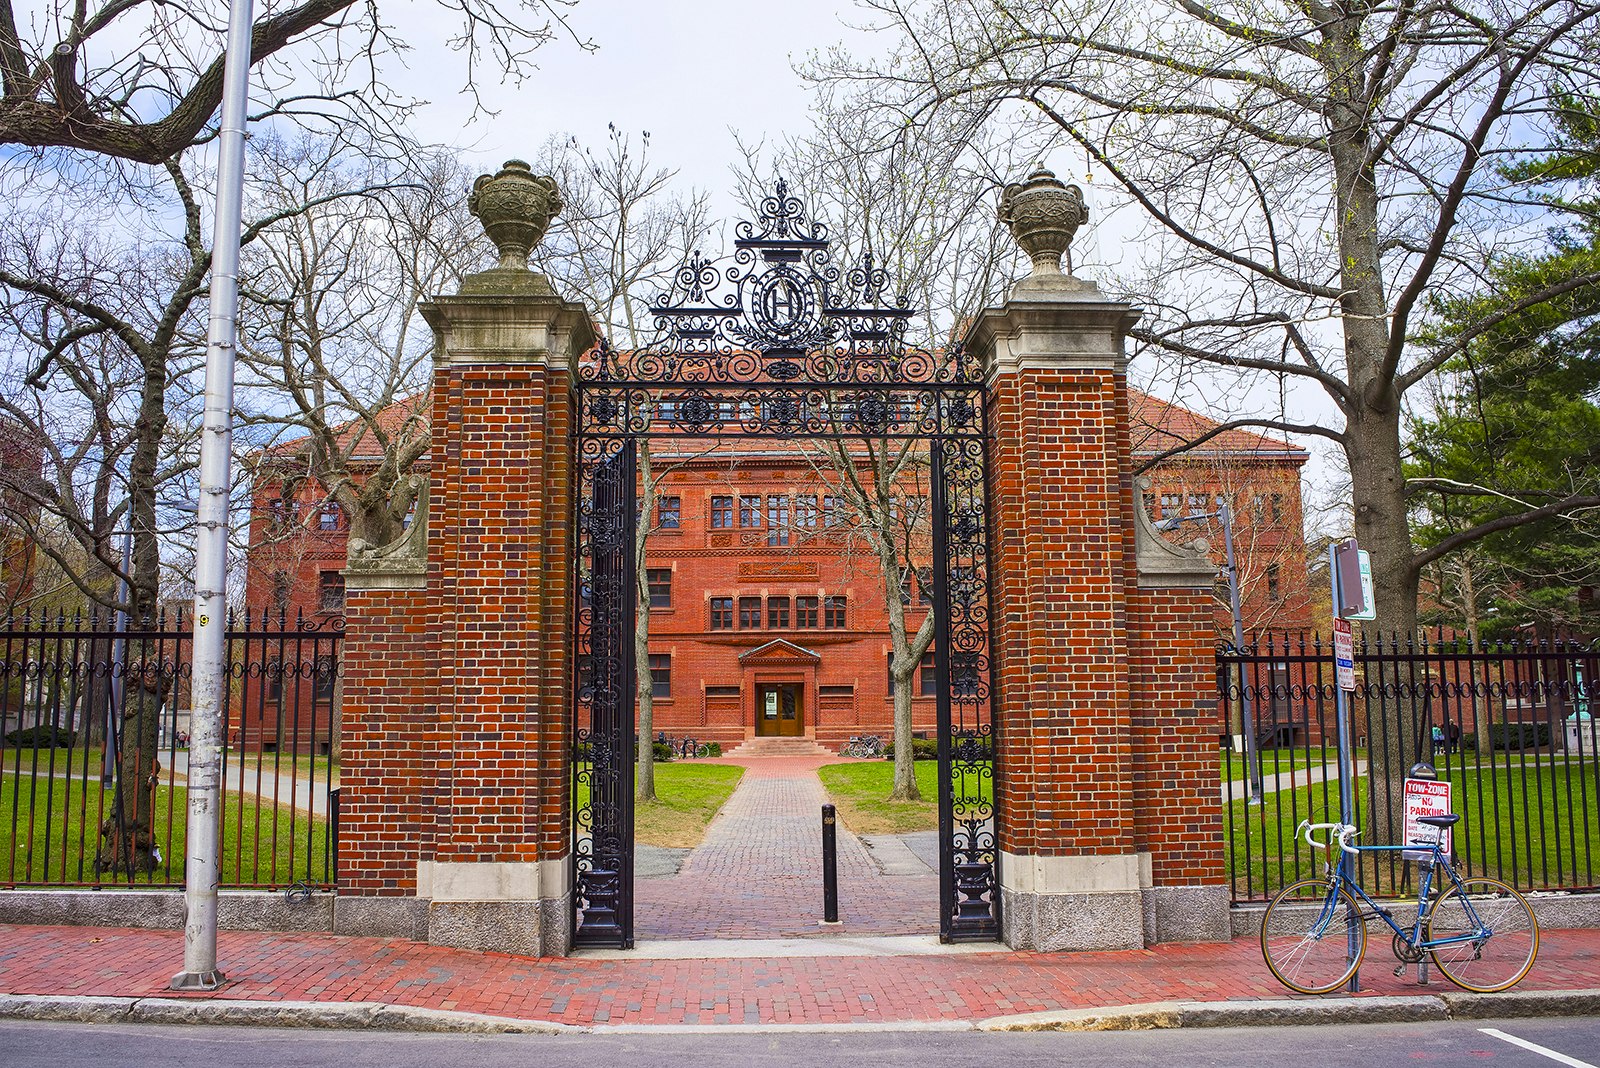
x: 1419, y: 1008
x: 342, y: 1015
x: 1161, y: 1015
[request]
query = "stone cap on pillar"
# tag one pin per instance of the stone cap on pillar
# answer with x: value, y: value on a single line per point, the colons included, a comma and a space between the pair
x: 1051, y: 319
x: 511, y: 314
x: 1163, y: 564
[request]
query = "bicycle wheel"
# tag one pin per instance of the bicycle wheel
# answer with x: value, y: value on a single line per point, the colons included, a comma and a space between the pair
x: 1505, y: 935
x: 1312, y: 938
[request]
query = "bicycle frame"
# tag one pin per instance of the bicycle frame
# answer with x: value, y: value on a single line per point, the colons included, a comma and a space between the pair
x: 1340, y: 878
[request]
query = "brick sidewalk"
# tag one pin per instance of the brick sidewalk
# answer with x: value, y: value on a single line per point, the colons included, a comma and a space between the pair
x: 881, y: 990
x: 758, y: 874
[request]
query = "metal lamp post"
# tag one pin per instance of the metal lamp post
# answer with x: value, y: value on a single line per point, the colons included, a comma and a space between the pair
x: 1252, y: 753
x: 202, y: 860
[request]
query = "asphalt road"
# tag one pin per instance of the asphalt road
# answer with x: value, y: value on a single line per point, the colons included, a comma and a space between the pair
x: 23, y: 1045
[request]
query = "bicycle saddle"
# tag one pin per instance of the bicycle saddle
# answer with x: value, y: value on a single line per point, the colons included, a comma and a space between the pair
x: 1440, y: 821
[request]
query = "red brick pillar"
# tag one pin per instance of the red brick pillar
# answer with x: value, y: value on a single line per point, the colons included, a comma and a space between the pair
x: 1081, y: 644
x: 457, y: 681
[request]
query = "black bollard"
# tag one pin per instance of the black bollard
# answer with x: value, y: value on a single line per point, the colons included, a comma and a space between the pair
x: 830, y: 866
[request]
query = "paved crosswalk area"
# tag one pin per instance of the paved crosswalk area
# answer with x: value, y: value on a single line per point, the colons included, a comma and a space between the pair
x: 758, y: 874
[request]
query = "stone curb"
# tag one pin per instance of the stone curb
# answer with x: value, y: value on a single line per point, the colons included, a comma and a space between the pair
x: 1161, y: 1015
x: 343, y: 1015
x: 1419, y: 1008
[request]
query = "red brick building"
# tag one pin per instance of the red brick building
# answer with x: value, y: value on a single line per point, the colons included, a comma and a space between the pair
x: 20, y: 459
x: 765, y: 620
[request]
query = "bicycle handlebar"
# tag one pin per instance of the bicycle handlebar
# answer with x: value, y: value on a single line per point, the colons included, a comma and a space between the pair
x: 1342, y: 832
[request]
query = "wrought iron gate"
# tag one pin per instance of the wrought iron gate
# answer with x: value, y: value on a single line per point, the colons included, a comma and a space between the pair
x: 781, y: 343
x: 603, y: 748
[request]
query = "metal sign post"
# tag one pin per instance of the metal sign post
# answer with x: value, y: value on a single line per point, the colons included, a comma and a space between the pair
x: 1343, y: 555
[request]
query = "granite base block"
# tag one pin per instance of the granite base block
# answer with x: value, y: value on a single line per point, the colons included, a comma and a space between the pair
x: 1050, y: 923
x: 1186, y: 914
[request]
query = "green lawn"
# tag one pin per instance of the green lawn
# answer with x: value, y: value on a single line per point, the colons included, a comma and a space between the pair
x: 861, y: 790
x: 45, y: 824
x: 688, y: 796
x: 1274, y: 761
x: 1537, y: 826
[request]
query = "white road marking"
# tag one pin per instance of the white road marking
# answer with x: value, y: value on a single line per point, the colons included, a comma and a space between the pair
x: 1533, y: 1047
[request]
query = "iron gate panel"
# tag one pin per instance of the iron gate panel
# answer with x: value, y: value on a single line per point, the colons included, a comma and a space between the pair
x: 603, y: 751
x: 781, y: 344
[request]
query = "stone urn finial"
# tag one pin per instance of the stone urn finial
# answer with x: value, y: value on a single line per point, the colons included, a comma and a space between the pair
x: 515, y: 207
x: 1043, y: 214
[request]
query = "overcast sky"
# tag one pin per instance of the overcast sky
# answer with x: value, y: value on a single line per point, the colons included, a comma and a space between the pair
x: 693, y: 75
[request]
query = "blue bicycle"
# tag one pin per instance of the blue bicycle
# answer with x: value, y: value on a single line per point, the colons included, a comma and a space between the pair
x: 1480, y: 932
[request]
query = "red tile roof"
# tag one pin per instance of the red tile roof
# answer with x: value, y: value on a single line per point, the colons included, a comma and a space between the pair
x: 1157, y: 425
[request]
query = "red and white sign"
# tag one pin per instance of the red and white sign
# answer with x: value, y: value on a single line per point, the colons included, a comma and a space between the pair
x: 1344, y: 655
x: 1426, y: 797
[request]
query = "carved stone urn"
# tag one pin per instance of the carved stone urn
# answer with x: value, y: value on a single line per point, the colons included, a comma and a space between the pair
x: 1043, y: 214
x: 515, y: 207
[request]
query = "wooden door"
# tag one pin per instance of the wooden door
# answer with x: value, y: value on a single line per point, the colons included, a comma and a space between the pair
x: 778, y: 711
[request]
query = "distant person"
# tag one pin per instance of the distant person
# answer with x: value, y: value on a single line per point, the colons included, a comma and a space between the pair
x: 1438, y: 738
x: 1452, y: 736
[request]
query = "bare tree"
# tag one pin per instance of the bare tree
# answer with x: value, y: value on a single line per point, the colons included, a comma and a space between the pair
x: 1304, y: 178
x: 141, y: 79
x: 330, y: 351
x: 621, y: 234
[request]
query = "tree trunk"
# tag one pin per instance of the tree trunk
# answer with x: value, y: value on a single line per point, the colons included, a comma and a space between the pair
x: 128, y: 839
x: 645, y: 781
x: 905, y: 769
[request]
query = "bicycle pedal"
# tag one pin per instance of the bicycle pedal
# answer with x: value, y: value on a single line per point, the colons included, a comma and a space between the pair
x: 1399, y: 968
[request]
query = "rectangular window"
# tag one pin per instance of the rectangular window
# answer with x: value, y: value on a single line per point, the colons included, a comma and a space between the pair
x: 777, y: 520
x: 805, y: 511
x: 280, y: 592
x: 275, y: 681
x: 832, y: 508
x: 1276, y: 501
x: 905, y: 586
x: 924, y: 585
x: 749, y: 510
x: 1197, y: 503
x: 836, y: 691
x: 805, y: 612
x: 777, y: 611
x: 833, y: 612
x: 1150, y: 506
x: 329, y: 518
x: 722, y: 613
x: 749, y: 613
x: 1171, y: 505
x: 660, y: 580
x: 722, y: 691
x: 1258, y: 507
x: 669, y: 512
x: 1273, y: 592
x: 277, y: 510
x: 928, y: 677
x: 661, y: 675
x: 889, y: 671
x: 330, y: 592
x: 722, y: 513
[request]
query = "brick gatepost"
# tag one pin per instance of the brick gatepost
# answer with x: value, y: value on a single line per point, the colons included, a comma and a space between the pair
x: 458, y: 638
x: 1108, y: 794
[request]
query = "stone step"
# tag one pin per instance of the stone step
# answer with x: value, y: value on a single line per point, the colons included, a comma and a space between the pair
x: 776, y: 747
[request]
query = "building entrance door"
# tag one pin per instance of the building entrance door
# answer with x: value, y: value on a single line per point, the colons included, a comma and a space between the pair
x: 778, y: 712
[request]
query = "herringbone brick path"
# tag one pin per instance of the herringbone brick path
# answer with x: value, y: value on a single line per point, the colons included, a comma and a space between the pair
x: 758, y: 874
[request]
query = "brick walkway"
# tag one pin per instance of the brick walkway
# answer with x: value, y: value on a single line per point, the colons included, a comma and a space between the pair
x: 313, y: 967
x: 758, y: 874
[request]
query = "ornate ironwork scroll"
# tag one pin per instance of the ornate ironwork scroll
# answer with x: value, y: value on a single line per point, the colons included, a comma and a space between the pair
x: 783, y: 343
x: 603, y: 737
x: 968, y: 848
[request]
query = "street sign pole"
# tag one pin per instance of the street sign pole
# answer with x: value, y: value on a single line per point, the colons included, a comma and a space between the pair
x: 1342, y: 724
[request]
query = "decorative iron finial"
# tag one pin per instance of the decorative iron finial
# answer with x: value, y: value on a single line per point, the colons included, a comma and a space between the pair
x: 1043, y: 214
x: 515, y: 207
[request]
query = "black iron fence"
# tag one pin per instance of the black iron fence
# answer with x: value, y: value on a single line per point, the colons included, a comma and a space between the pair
x: 1509, y: 725
x: 94, y: 731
